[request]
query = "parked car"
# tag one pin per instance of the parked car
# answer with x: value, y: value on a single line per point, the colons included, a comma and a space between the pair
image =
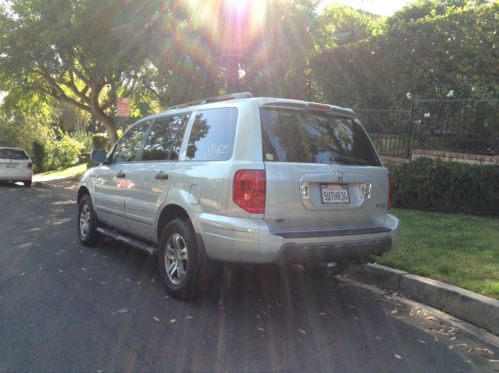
x: 244, y: 180
x: 15, y: 165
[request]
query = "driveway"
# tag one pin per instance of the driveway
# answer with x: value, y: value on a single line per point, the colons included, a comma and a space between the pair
x: 65, y: 307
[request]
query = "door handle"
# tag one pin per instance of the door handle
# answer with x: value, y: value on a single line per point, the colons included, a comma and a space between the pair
x: 161, y: 176
x: 120, y: 175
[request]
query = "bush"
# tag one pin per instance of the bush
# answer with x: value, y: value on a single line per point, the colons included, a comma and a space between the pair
x: 63, y: 153
x: 100, y: 141
x: 436, y: 185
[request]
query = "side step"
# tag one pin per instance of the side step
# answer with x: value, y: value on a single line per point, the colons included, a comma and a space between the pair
x: 128, y: 240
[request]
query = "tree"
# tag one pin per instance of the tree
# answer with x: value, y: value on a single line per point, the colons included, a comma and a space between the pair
x: 427, y: 52
x: 84, y: 53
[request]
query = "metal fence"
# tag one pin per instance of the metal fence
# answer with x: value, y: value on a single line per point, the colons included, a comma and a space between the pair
x: 465, y: 126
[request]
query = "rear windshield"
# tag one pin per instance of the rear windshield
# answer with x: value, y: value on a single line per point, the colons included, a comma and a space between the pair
x: 291, y: 135
x: 12, y: 154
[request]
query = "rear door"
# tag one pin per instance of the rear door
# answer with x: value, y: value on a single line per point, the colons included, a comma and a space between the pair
x: 14, y: 163
x: 150, y: 178
x: 322, y: 172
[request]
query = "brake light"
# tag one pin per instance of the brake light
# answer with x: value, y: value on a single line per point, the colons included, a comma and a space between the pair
x: 390, y: 193
x: 248, y: 190
x: 30, y: 165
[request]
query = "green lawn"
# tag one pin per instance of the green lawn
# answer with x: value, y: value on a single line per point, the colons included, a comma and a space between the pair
x: 72, y: 172
x: 462, y: 250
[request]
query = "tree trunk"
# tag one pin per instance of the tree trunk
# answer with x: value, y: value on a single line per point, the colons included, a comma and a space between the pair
x: 108, y: 123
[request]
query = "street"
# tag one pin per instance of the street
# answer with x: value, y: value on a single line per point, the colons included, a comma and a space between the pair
x: 65, y: 307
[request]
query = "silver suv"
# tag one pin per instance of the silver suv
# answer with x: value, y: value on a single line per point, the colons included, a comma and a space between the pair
x: 243, y: 180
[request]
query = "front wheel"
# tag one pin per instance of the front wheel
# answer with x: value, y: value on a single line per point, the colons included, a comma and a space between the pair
x: 178, y: 259
x: 87, y: 222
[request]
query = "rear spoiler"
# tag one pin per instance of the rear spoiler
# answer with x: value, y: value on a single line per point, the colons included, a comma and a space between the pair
x: 311, y: 106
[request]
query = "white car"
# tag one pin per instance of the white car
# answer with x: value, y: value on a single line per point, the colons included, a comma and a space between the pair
x: 15, y: 165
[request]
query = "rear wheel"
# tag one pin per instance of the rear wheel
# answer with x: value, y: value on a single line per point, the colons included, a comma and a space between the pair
x: 178, y: 259
x: 27, y: 183
x: 87, y: 222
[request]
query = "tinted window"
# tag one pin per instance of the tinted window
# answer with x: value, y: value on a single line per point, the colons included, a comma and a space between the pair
x: 212, y: 136
x: 165, y: 138
x: 128, y: 147
x: 310, y: 137
x: 12, y: 154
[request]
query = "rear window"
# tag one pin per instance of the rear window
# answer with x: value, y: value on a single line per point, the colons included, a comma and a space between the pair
x: 291, y: 135
x: 212, y: 135
x: 12, y: 154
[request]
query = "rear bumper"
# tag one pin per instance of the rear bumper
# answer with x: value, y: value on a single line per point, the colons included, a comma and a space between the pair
x: 16, y: 176
x: 250, y: 241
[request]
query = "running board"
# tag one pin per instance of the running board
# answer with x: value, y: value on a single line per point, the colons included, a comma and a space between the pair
x: 128, y: 240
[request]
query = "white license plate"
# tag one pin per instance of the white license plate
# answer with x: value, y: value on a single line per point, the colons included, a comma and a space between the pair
x: 334, y: 193
x: 10, y: 165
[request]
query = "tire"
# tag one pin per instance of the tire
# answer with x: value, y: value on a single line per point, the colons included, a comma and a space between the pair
x: 87, y: 222
x: 27, y: 183
x: 178, y: 259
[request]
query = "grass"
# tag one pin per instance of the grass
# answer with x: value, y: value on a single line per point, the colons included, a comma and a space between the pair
x: 72, y: 173
x: 461, y: 250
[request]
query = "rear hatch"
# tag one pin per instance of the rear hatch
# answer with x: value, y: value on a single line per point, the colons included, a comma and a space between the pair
x: 12, y: 160
x: 323, y: 174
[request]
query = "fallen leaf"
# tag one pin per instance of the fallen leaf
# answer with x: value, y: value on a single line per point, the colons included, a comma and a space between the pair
x: 453, y: 346
x: 394, y: 311
x: 421, y: 341
x: 452, y: 338
x: 431, y: 318
x: 188, y: 317
x: 83, y: 269
x: 173, y: 321
x: 493, y: 361
x: 398, y: 356
x: 260, y: 329
x: 22, y: 274
x: 435, y: 338
x: 61, y: 271
x: 302, y: 331
x: 122, y: 310
x: 156, y: 318
x: 378, y: 338
x: 322, y: 314
x: 483, y: 351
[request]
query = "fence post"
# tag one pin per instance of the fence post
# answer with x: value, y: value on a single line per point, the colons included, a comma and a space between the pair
x: 409, y: 130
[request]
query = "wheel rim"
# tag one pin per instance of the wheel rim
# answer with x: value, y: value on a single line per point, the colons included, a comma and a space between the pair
x: 84, y: 221
x: 176, y: 258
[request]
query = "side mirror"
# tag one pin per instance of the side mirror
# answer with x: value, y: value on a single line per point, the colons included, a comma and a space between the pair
x: 98, y: 156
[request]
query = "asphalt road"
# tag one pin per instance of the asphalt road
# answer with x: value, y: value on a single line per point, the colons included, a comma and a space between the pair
x: 65, y: 307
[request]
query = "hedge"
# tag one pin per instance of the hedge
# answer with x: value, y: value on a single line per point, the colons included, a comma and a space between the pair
x: 436, y: 185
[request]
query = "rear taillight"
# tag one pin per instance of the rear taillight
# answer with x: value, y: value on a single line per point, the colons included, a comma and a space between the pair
x: 30, y: 165
x: 390, y: 193
x: 248, y: 191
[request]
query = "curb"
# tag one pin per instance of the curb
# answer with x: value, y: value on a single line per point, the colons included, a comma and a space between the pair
x: 474, y: 308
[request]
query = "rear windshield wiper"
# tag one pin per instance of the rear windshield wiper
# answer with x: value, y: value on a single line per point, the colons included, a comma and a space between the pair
x: 348, y: 160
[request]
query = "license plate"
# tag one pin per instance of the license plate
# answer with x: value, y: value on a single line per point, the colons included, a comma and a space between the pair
x: 10, y: 165
x: 334, y: 194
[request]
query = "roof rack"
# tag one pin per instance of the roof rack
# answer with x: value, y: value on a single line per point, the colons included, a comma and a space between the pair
x: 232, y: 96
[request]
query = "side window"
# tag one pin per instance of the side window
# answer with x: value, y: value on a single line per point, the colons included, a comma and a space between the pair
x: 128, y: 147
x: 212, y: 135
x: 165, y: 138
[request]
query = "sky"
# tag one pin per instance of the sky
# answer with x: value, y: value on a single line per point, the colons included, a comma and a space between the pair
x: 381, y: 7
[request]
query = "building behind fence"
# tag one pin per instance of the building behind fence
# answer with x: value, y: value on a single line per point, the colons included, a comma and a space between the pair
x: 436, y: 127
